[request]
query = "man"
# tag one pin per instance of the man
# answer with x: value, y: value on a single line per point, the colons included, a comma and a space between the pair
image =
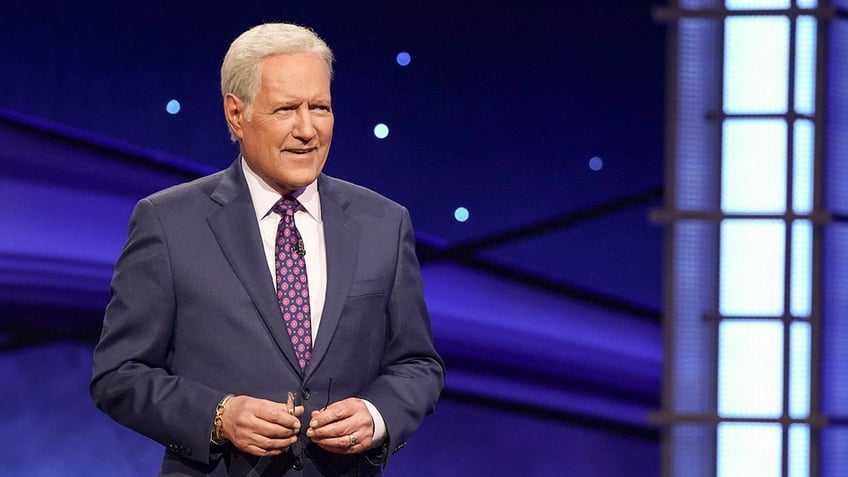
x: 269, y: 319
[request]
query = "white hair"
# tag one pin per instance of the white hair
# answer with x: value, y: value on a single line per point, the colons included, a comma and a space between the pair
x: 241, y: 68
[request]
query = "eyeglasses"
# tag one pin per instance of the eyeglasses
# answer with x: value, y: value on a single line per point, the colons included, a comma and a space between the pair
x: 329, y: 387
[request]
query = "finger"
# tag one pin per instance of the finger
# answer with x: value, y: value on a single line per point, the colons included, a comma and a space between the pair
x: 336, y: 411
x: 259, y: 445
x: 277, y: 413
x: 259, y: 423
x: 348, y: 444
x: 290, y: 403
x: 330, y: 430
x: 261, y: 408
x: 259, y: 451
x: 334, y: 433
x: 247, y: 422
x: 351, y: 412
x: 272, y: 430
x: 347, y: 441
x: 244, y: 439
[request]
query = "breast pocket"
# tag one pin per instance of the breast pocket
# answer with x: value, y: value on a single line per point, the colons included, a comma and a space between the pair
x: 364, y: 316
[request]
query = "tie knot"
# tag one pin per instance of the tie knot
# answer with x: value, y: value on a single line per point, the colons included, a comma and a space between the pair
x: 286, y: 205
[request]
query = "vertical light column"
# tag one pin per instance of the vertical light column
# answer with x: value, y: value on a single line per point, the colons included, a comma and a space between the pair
x: 766, y: 243
x: 747, y: 260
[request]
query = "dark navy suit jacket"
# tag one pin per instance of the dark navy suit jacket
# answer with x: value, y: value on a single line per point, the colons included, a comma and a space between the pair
x: 194, y: 316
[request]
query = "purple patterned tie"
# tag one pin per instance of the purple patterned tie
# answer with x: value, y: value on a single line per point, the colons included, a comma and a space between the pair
x: 292, y: 285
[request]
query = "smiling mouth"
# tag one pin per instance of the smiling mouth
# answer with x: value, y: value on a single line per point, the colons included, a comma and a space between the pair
x: 300, y: 151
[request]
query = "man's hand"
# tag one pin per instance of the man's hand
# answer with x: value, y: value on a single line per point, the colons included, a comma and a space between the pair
x: 261, y: 427
x: 344, y: 427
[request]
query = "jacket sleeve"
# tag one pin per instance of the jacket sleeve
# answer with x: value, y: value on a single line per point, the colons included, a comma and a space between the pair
x: 132, y: 381
x: 412, y: 373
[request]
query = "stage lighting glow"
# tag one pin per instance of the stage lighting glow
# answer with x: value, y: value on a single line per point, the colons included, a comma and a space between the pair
x: 403, y: 58
x: 461, y: 214
x: 381, y: 131
x: 757, y: 4
x: 173, y: 106
x: 596, y: 163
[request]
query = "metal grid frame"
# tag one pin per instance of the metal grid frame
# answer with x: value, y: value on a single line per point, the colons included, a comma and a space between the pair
x: 673, y: 215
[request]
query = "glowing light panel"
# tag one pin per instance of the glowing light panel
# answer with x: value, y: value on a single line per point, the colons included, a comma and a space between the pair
x: 756, y: 67
x: 802, y: 167
x: 799, y: 451
x: 751, y: 267
x: 753, y: 174
x: 749, y: 450
x: 756, y: 4
x: 801, y: 277
x: 805, y: 65
x: 799, y: 370
x: 750, y: 368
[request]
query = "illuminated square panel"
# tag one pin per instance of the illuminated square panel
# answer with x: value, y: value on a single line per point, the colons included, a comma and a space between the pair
x: 749, y: 450
x: 753, y: 172
x: 751, y: 267
x: 750, y: 368
x: 756, y: 64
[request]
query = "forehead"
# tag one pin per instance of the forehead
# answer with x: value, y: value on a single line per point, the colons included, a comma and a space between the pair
x: 299, y: 74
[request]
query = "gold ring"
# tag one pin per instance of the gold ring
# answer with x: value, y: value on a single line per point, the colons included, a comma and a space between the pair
x: 352, y: 439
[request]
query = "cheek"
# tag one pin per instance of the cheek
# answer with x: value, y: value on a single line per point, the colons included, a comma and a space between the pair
x: 270, y: 130
x: 325, y: 128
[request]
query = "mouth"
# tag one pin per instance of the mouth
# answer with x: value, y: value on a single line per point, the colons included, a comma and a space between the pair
x: 300, y: 151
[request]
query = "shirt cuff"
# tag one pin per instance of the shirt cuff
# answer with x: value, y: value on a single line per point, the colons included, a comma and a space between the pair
x: 379, y: 425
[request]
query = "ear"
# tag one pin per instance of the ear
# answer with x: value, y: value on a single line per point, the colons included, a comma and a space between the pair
x: 235, y: 114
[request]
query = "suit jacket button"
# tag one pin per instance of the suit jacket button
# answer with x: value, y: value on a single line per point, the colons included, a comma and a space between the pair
x: 306, y: 393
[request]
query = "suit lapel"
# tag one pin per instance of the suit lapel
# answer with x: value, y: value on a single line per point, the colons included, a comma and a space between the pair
x: 235, y: 228
x: 341, y: 239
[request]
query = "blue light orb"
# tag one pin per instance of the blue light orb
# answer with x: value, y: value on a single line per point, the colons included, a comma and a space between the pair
x: 596, y: 163
x: 403, y: 58
x: 461, y: 214
x: 173, y: 106
x: 381, y: 131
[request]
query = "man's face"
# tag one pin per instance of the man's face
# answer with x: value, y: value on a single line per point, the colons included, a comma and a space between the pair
x: 287, y: 138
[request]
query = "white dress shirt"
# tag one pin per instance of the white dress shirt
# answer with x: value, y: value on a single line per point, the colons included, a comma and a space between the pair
x: 307, y: 218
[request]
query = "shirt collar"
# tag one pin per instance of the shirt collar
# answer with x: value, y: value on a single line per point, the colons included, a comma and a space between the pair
x: 264, y: 196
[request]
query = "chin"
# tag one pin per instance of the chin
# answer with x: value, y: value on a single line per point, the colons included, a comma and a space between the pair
x: 300, y: 181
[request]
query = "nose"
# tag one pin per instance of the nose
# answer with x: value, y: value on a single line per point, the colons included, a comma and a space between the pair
x: 303, y: 128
